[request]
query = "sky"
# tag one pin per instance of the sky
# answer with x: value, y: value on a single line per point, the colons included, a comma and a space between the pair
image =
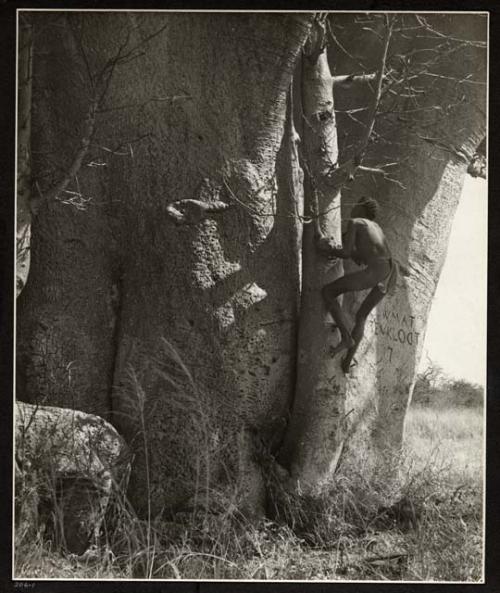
x: 456, y: 330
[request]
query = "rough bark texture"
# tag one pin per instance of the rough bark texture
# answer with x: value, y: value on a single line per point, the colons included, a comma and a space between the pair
x: 190, y: 326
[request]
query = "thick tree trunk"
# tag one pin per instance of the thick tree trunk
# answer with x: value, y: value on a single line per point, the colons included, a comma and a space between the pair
x: 190, y: 326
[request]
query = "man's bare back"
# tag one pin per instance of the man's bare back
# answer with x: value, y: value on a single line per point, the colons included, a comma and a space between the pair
x: 364, y: 242
x: 370, y: 243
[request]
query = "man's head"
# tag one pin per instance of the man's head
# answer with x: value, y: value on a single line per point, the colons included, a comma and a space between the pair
x: 365, y: 208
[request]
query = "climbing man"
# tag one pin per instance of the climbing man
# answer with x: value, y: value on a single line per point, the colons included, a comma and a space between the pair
x: 364, y: 242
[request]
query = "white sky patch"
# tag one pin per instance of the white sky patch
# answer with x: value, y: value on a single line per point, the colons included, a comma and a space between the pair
x: 456, y: 331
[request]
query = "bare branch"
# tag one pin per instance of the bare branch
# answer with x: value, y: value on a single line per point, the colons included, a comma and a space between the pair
x: 371, y: 30
x: 466, y: 79
x: 172, y: 99
x: 81, y: 46
x: 427, y: 26
x: 340, y: 46
x: 234, y: 197
x: 62, y: 184
x: 193, y: 211
x: 380, y: 171
x: 345, y: 173
x: 371, y: 169
x: 127, y: 144
x: 100, y: 84
x: 348, y: 80
x: 142, y: 43
x: 438, y: 142
x: 378, y: 85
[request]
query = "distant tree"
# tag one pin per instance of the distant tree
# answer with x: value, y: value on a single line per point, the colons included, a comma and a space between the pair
x: 465, y: 393
x: 434, y: 388
x: 428, y: 383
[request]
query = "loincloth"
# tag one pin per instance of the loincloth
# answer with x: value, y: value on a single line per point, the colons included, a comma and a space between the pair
x: 388, y: 285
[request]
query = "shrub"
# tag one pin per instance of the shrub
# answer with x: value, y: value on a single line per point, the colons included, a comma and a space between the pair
x: 437, y: 391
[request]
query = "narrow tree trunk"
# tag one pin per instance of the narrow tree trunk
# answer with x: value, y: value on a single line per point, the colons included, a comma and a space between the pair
x: 314, y: 436
x: 23, y: 213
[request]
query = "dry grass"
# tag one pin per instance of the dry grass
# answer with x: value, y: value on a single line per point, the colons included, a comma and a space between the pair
x: 435, y: 533
x: 449, y: 435
x: 448, y: 444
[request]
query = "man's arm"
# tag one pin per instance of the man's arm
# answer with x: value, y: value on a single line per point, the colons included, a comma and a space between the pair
x: 324, y: 244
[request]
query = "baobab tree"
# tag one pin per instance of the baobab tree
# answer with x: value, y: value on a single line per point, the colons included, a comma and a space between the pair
x: 181, y: 166
x: 415, y: 158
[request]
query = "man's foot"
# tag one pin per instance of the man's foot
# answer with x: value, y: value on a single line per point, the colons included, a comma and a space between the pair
x: 344, y: 344
x: 346, y: 365
x: 333, y: 327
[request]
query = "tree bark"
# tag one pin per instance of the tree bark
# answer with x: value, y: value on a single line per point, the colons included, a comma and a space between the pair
x: 23, y: 211
x: 189, y: 325
x: 313, y: 434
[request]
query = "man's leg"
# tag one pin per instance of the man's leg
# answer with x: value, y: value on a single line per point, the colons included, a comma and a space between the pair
x: 373, y: 298
x: 351, y: 282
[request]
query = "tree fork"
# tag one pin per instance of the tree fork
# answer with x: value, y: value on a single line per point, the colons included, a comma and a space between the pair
x: 339, y: 175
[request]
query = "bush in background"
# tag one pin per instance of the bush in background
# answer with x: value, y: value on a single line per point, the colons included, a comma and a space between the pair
x: 434, y: 389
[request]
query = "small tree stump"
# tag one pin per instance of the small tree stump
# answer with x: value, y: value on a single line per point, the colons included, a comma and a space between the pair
x: 68, y: 464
